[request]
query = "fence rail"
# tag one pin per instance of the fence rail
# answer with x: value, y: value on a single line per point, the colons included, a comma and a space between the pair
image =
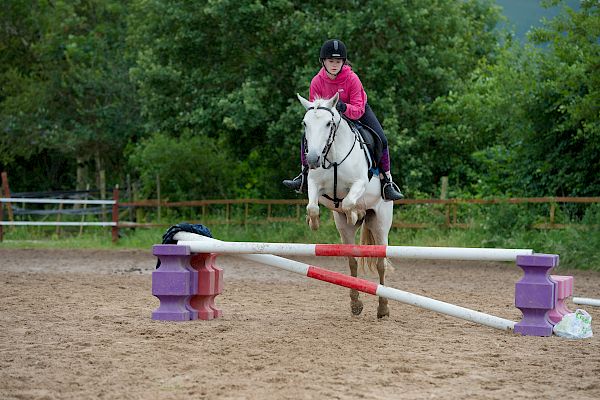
x: 449, y: 213
x: 53, y: 201
x: 8, y: 201
x: 450, y: 209
x: 56, y: 223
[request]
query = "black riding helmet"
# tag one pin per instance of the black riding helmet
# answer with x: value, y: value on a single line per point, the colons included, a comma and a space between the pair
x: 333, y: 49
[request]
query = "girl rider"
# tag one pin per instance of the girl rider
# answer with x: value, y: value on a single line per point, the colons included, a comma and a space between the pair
x: 336, y: 76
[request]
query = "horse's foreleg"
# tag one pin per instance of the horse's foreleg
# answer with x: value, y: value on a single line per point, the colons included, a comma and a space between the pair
x: 312, y: 209
x: 356, y: 305
x: 350, y: 201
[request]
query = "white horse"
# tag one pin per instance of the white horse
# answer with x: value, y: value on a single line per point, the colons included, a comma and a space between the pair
x: 338, y: 178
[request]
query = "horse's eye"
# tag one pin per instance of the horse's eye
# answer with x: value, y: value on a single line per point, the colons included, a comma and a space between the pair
x: 329, y: 124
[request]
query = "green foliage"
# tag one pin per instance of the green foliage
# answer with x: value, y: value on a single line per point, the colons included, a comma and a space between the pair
x: 84, y: 81
x: 65, y: 92
x: 565, y: 141
x: 526, y: 124
x: 198, y: 73
x: 190, y: 167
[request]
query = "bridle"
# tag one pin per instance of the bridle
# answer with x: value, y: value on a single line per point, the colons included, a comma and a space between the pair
x: 330, y: 139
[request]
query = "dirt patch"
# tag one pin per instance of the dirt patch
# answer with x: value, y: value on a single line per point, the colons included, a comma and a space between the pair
x: 76, y: 325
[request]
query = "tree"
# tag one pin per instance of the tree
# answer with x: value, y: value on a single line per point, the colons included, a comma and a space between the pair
x: 565, y: 141
x: 67, y: 95
x: 229, y: 70
x: 527, y: 123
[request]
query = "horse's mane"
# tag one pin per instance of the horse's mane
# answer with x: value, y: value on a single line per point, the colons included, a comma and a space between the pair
x: 319, y: 102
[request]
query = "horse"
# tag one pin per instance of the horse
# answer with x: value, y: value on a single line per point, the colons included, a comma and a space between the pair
x: 338, y: 178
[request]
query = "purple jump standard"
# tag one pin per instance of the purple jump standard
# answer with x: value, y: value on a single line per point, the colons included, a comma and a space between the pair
x: 185, y: 284
x: 535, y: 294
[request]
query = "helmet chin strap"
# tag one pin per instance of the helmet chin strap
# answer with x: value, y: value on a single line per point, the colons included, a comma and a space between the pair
x: 326, y: 70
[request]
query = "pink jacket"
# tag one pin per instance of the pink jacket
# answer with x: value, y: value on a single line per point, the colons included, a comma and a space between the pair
x: 347, y: 84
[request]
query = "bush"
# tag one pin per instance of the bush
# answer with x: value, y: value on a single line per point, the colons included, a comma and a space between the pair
x: 189, y: 167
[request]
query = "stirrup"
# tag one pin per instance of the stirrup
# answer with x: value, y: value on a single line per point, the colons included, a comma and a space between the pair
x: 299, y: 184
x: 395, y: 193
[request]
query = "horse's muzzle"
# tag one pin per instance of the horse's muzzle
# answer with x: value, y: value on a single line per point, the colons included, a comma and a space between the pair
x: 312, y: 160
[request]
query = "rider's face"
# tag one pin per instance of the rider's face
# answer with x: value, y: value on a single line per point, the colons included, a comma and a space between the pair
x: 333, y: 65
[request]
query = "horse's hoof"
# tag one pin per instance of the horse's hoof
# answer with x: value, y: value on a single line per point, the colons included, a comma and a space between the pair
x: 383, y: 313
x: 356, y: 307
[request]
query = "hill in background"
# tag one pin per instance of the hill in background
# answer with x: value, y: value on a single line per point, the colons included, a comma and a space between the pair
x: 524, y: 14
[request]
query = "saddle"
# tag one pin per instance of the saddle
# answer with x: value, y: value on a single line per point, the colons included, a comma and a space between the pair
x: 371, y: 144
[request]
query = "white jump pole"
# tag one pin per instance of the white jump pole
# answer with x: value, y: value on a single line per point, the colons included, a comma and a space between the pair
x: 297, y: 249
x: 363, y: 285
x: 586, y: 301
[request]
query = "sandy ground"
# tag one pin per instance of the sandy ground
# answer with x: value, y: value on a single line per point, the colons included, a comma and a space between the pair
x: 76, y: 325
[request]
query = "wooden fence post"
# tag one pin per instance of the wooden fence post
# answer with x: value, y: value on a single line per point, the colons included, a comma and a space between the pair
x: 444, y: 189
x: 6, y: 190
x: 444, y: 196
x: 129, y: 197
x: 87, y: 190
x: 102, y: 181
x: 115, y: 214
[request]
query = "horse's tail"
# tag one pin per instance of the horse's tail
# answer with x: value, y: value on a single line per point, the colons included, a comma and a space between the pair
x: 370, y: 263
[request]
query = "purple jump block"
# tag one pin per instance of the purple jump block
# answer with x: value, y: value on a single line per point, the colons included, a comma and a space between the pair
x: 535, y: 294
x: 174, y: 283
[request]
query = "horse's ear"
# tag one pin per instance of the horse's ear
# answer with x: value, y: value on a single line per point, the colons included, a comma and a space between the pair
x: 333, y: 101
x: 304, y: 102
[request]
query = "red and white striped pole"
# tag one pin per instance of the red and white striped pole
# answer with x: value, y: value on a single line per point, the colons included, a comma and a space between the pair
x: 298, y: 249
x: 362, y: 285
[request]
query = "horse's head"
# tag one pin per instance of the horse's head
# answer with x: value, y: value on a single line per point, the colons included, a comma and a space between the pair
x: 320, y: 123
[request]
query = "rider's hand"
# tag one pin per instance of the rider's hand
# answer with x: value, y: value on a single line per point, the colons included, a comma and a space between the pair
x: 341, y: 106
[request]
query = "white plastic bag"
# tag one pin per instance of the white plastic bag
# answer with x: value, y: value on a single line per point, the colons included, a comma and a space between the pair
x: 577, y: 325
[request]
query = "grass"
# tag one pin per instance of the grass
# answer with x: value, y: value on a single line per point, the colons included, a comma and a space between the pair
x: 577, y: 247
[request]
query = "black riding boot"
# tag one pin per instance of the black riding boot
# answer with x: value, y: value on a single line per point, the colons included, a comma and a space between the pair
x: 299, y: 183
x: 389, y: 190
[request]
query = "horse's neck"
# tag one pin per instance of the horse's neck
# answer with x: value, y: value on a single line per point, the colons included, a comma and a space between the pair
x: 342, y: 145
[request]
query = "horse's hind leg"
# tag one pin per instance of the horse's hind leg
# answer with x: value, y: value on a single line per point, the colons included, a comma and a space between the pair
x: 379, y: 225
x: 382, y: 309
x: 347, y: 233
